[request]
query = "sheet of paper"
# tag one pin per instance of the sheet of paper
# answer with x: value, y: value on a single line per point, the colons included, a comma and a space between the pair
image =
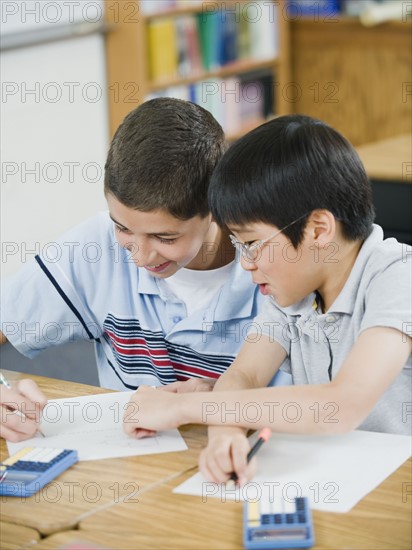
x: 334, y: 472
x: 92, y: 425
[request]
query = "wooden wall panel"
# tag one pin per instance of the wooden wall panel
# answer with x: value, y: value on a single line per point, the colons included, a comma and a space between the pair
x: 355, y: 78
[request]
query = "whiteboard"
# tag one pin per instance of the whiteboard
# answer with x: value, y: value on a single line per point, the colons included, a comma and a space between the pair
x: 42, y: 15
x: 54, y: 137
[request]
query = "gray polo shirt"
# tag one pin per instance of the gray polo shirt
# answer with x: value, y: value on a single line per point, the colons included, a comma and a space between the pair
x: 377, y: 293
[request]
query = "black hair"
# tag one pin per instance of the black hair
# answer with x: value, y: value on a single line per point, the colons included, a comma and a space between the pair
x: 287, y: 168
x: 162, y: 157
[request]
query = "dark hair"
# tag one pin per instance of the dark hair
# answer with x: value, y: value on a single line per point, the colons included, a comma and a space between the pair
x: 287, y: 168
x: 162, y: 157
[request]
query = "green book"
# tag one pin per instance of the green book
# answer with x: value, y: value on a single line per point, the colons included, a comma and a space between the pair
x: 208, y: 28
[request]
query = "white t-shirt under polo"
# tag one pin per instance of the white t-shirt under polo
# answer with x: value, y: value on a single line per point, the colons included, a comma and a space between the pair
x: 376, y: 294
x: 196, y: 289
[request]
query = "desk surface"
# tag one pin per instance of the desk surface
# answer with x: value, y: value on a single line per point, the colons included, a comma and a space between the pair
x: 389, y: 159
x: 14, y: 536
x: 90, y: 486
x: 156, y: 518
x: 380, y: 521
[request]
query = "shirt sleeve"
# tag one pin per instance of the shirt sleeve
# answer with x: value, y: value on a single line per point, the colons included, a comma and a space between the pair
x: 388, y: 300
x: 273, y: 323
x: 46, y: 303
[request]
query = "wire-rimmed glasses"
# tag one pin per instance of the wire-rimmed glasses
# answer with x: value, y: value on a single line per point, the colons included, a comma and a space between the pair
x: 251, y: 251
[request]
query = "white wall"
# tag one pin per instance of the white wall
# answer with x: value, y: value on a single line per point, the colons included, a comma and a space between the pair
x: 54, y: 134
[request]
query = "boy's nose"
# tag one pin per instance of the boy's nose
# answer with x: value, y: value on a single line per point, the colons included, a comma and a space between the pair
x: 140, y: 253
x: 246, y: 263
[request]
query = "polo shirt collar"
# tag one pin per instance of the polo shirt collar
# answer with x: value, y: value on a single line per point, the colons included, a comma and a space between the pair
x: 239, y: 294
x: 146, y: 283
x: 345, y: 301
x: 302, y: 308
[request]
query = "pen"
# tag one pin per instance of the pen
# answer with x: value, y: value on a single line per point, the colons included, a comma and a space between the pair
x: 263, y: 437
x: 4, y: 382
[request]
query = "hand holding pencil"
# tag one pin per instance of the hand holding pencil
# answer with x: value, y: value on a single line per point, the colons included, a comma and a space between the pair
x: 264, y: 435
x: 228, y: 457
x: 20, y: 409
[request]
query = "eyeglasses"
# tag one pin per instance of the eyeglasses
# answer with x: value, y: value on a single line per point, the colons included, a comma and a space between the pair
x: 251, y: 251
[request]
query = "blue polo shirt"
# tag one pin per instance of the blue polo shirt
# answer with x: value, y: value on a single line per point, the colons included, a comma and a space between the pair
x: 85, y: 286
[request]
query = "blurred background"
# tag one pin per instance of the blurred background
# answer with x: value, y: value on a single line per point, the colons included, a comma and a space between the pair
x: 71, y: 71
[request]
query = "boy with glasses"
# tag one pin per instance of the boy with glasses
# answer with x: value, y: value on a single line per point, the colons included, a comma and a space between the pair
x: 337, y: 310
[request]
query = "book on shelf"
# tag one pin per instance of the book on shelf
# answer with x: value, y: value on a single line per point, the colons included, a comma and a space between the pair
x: 163, y: 51
x: 193, y: 46
x: 209, y: 28
x: 243, y: 38
x: 186, y: 45
x: 183, y: 66
x: 229, y: 48
x: 252, y: 103
x: 298, y: 8
x: 151, y: 7
x: 263, y: 39
x: 235, y: 102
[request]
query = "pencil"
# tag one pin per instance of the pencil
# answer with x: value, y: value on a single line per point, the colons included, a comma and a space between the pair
x: 263, y: 437
x: 6, y: 384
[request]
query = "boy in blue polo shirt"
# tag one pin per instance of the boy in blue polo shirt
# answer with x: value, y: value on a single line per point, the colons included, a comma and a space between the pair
x: 153, y: 283
x: 337, y: 310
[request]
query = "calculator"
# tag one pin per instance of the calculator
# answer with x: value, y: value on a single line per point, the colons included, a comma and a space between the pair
x: 280, y: 524
x: 31, y: 468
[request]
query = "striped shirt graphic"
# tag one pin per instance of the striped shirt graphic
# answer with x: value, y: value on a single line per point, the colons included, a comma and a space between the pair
x: 139, y: 351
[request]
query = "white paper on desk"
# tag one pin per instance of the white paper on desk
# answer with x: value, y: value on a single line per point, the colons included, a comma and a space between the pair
x: 334, y: 472
x: 92, y: 425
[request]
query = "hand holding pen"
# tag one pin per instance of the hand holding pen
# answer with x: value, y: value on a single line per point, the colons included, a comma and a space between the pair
x: 20, y: 409
x: 264, y: 435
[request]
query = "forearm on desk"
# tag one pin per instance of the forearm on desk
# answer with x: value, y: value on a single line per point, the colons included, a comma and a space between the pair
x: 317, y: 409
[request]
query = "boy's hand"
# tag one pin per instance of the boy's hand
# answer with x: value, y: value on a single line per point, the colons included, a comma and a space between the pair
x: 25, y: 397
x: 225, y: 453
x: 150, y: 410
x: 192, y: 385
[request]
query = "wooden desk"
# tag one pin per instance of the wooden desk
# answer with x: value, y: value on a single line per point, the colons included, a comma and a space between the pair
x: 157, y: 518
x: 380, y: 521
x: 13, y: 537
x: 388, y: 164
x: 90, y: 486
x: 389, y: 159
x: 131, y: 541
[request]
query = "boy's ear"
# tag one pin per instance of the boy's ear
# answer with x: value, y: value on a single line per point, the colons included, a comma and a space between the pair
x: 322, y: 227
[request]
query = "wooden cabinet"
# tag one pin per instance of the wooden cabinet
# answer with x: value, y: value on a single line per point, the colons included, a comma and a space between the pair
x: 129, y: 76
x: 355, y: 78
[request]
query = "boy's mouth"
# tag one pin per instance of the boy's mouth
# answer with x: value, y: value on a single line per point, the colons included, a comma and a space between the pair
x: 263, y: 288
x: 158, y: 268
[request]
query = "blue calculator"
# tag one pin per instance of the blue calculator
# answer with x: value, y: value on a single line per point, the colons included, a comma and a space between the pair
x: 31, y: 468
x: 279, y: 524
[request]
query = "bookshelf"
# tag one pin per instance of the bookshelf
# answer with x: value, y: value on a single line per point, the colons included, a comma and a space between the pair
x: 231, y: 57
